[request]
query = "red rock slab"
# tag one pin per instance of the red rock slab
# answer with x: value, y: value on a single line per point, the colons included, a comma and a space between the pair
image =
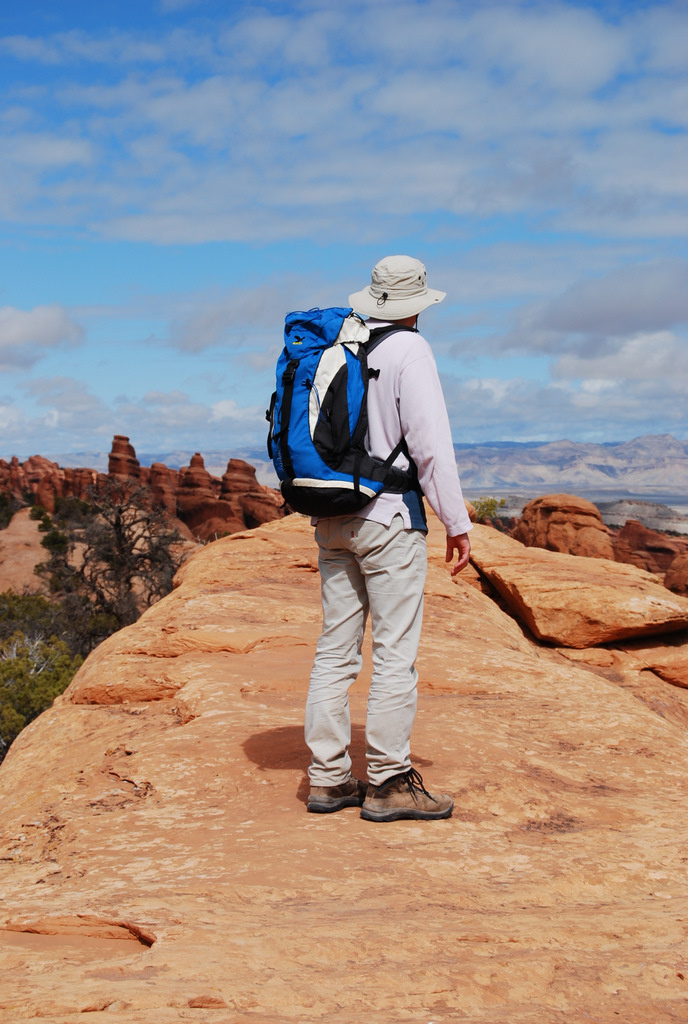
x: 84, y: 925
x: 555, y: 892
x: 667, y: 658
x: 573, y: 601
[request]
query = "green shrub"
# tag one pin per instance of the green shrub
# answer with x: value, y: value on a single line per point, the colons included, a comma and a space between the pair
x: 8, y: 506
x: 32, y: 674
x: 33, y: 615
x: 488, y: 508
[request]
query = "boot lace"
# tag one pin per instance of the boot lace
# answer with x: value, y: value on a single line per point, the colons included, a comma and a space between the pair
x: 414, y: 780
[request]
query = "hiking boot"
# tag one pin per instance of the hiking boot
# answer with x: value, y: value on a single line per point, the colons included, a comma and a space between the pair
x: 325, y: 799
x: 405, y: 796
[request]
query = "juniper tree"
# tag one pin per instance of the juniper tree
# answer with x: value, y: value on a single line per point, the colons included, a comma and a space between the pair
x: 110, y: 557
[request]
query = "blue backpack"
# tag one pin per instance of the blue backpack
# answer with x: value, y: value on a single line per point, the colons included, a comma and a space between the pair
x: 318, y: 416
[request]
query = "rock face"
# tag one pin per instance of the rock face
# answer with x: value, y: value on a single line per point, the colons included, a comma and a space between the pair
x: 123, y: 461
x: 650, y: 513
x: 44, y: 480
x: 648, y: 549
x: 565, y: 523
x: 676, y: 578
x: 574, y: 601
x: 157, y: 861
x: 201, y: 505
x: 573, y: 526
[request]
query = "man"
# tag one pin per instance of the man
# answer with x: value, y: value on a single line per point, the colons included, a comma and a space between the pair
x: 374, y: 564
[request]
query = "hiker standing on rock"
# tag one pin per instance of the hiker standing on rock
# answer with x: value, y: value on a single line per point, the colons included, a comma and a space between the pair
x: 374, y: 563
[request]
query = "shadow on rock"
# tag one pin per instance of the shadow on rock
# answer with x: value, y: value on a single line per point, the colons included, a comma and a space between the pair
x: 285, y: 748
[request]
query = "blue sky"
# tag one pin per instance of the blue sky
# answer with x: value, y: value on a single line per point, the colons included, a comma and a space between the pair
x: 176, y: 175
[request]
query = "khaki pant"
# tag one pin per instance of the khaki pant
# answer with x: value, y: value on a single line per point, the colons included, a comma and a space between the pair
x: 366, y: 569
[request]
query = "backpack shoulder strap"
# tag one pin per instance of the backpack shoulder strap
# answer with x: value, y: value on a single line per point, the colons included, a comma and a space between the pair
x: 378, y: 335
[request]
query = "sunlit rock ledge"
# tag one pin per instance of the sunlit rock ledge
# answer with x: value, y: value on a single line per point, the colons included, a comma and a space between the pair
x: 157, y: 860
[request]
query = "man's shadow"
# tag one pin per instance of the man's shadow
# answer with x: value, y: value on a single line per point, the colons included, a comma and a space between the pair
x: 284, y: 748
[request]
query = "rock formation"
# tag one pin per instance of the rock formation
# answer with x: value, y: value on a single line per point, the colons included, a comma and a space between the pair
x: 572, y: 525
x: 43, y: 481
x: 576, y: 601
x: 201, y: 506
x: 163, y: 484
x: 122, y: 461
x: 565, y: 523
x: 648, y: 549
x: 676, y: 578
x: 157, y: 861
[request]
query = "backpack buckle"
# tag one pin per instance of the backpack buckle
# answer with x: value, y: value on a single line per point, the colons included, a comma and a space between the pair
x: 290, y: 372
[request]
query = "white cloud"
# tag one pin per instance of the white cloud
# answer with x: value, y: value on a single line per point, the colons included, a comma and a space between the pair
x: 68, y: 412
x: 237, y: 318
x: 174, y: 420
x: 70, y: 402
x: 632, y: 298
x: 595, y: 317
x: 334, y: 120
x: 229, y: 410
x: 659, y: 360
x: 25, y: 336
x: 526, y: 410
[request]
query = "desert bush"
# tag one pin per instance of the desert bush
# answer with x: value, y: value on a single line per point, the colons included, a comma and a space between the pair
x: 110, y: 558
x: 32, y: 673
x: 35, y: 617
x: 8, y: 506
x: 488, y: 508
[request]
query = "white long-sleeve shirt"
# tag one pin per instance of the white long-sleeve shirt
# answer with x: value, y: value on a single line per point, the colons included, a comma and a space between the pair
x: 406, y: 400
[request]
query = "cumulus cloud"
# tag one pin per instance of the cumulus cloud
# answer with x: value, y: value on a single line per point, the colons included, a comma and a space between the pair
x: 279, y: 123
x: 527, y: 410
x: 68, y: 412
x: 640, y: 297
x: 655, y: 359
x: 26, y: 335
x: 239, y: 319
x: 171, y: 419
x: 70, y: 402
x: 596, y: 320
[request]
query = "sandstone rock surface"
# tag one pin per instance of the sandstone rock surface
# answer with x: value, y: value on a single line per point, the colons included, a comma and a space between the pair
x: 676, y: 577
x: 575, y: 601
x: 648, y: 549
x: 565, y: 523
x: 157, y: 862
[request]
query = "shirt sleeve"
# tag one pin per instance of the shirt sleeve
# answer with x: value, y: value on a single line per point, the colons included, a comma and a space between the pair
x: 425, y: 425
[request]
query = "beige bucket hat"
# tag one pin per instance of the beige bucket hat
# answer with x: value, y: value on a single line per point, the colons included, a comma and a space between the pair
x: 398, y: 289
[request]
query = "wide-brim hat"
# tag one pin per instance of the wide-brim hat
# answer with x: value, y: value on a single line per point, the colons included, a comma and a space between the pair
x: 398, y: 289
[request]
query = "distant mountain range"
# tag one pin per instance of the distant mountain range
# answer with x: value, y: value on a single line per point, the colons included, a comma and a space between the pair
x: 653, y: 466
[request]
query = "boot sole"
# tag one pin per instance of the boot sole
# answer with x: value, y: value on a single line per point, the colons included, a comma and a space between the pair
x: 409, y: 813
x: 318, y: 807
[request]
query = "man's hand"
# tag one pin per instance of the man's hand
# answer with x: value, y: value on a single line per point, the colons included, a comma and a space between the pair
x: 462, y: 545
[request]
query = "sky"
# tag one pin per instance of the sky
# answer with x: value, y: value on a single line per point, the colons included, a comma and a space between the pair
x: 177, y: 175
